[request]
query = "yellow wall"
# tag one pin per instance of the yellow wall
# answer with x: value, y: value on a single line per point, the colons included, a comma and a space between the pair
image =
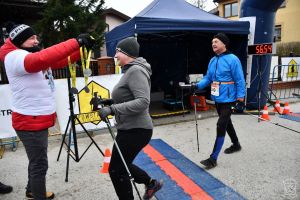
x: 288, y: 17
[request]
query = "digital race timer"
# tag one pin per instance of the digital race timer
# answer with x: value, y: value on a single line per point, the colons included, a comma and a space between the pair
x: 260, y: 49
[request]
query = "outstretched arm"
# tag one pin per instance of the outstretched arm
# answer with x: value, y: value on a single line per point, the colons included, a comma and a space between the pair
x: 53, y: 56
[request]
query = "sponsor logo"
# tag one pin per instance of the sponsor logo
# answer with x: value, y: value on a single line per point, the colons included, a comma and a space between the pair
x: 16, y: 31
x: 5, y: 112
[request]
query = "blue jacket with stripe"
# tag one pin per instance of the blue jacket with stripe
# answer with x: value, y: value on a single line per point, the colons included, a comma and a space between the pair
x: 225, y: 67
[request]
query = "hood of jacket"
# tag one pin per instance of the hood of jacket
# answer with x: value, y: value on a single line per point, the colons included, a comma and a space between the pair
x: 7, y: 47
x: 140, y: 62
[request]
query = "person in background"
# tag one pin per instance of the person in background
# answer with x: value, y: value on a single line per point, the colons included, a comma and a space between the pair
x: 131, y: 97
x: 5, y: 189
x: 33, y: 101
x: 226, y: 77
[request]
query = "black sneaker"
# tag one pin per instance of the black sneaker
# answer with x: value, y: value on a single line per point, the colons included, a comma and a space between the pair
x: 152, y: 189
x: 4, y: 189
x: 209, y: 163
x: 49, y: 195
x: 233, y: 148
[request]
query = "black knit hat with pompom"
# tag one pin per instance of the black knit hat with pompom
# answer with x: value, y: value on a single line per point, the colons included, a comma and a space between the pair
x: 18, y: 34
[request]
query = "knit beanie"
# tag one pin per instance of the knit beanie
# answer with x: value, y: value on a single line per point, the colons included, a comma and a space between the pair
x: 19, y: 34
x: 223, y: 38
x: 129, y: 46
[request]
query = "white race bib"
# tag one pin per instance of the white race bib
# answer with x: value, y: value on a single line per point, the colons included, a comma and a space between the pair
x: 215, y: 89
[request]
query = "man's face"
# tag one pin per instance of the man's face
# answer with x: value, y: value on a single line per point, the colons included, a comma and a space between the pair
x: 218, y: 46
x: 30, y: 42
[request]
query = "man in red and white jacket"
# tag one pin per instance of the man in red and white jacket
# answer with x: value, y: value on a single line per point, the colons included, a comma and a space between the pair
x: 33, y: 101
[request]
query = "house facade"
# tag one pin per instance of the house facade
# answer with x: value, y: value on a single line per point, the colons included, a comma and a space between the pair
x: 112, y: 18
x: 287, y: 28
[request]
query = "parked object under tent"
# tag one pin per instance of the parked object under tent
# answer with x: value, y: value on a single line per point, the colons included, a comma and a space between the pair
x: 175, y: 37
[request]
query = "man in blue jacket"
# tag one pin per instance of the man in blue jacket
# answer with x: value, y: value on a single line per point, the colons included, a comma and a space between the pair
x: 225, y: 75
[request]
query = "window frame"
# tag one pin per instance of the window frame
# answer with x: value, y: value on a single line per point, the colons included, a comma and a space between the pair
x: 276, y: 28
x: 230, y: 9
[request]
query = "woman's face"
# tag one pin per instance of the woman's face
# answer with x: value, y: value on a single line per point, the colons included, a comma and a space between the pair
x: 122, y: 59
x: 30, y: 42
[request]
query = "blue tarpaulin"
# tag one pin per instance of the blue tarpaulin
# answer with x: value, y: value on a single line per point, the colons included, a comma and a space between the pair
x: 169, y: 16
x: 175, y: 38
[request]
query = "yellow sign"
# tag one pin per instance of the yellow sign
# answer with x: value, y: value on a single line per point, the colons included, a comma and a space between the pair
x: 86, y: 113
x: 292, y: 70
x: 88, y: 117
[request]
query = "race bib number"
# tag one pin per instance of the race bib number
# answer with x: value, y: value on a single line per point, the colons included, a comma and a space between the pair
x: 215, y: 89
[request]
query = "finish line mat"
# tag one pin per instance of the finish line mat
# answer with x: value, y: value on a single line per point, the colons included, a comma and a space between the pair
x: 292, y: 116
x: 182, y: 178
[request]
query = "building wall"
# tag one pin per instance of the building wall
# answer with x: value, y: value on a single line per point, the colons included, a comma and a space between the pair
x: 112, y: 21
x: 286, y: 16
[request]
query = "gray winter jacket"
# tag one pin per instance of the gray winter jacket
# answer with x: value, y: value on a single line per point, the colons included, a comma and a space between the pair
x: 131, y: 96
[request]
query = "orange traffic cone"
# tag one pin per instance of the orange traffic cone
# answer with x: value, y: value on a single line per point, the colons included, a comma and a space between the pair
x: 106, y: 161
x: 265, y: 114
x: 286, y: 109
x: 277, y: 107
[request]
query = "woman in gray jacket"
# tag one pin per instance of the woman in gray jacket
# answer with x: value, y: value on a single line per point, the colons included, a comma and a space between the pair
x: 131, y: 98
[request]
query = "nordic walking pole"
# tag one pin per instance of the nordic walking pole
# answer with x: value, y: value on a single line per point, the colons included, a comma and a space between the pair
x: 192, y: 88
x: 277, y: 124
x: 121, y: 155
x: 195, y: 102
x: 240, y: 109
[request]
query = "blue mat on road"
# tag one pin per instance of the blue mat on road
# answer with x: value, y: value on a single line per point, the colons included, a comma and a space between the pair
x: 171, y: 190
x: 291, y: 116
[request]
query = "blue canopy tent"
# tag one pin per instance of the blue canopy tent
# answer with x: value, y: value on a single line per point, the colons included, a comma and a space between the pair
x: 175, y: 37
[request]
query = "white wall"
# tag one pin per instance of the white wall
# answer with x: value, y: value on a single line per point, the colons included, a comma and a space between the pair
x: 113, y: 21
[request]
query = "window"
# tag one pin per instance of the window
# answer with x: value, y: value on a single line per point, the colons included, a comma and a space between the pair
x: 231, y: 10
x: 277, y: 33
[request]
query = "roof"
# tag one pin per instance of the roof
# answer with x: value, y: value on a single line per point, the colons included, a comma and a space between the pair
x: 20, y: 11
x: 176, y: 9
x: 116, y: 13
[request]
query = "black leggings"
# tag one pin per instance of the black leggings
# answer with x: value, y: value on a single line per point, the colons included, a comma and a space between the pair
x: 224, y: 123
x: 130, y: 142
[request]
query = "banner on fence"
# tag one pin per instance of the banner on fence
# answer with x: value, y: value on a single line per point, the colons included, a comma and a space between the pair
x: 274, y: 69
x: 103, y: 85
x: 290, y: 68
x: 6, y: 129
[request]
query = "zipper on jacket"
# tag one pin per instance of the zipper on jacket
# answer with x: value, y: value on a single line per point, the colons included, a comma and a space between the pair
x: 215, y: 78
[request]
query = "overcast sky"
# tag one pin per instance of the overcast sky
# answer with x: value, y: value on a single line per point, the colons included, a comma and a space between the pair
x: 133, y: 7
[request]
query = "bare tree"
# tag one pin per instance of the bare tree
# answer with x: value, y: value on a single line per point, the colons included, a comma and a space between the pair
x: 198, y: 3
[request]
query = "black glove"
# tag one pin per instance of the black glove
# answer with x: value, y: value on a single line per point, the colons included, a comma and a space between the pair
x: 107, y: 102
x: 193, y: 87
x: 239, y: 107
x: 86, y: 40
x: 104, y: 112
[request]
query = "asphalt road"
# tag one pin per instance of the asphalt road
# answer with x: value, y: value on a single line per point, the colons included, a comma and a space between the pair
x: 267, y: 167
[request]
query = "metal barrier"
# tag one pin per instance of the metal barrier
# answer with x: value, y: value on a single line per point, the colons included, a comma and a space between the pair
x: 284, y: 82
